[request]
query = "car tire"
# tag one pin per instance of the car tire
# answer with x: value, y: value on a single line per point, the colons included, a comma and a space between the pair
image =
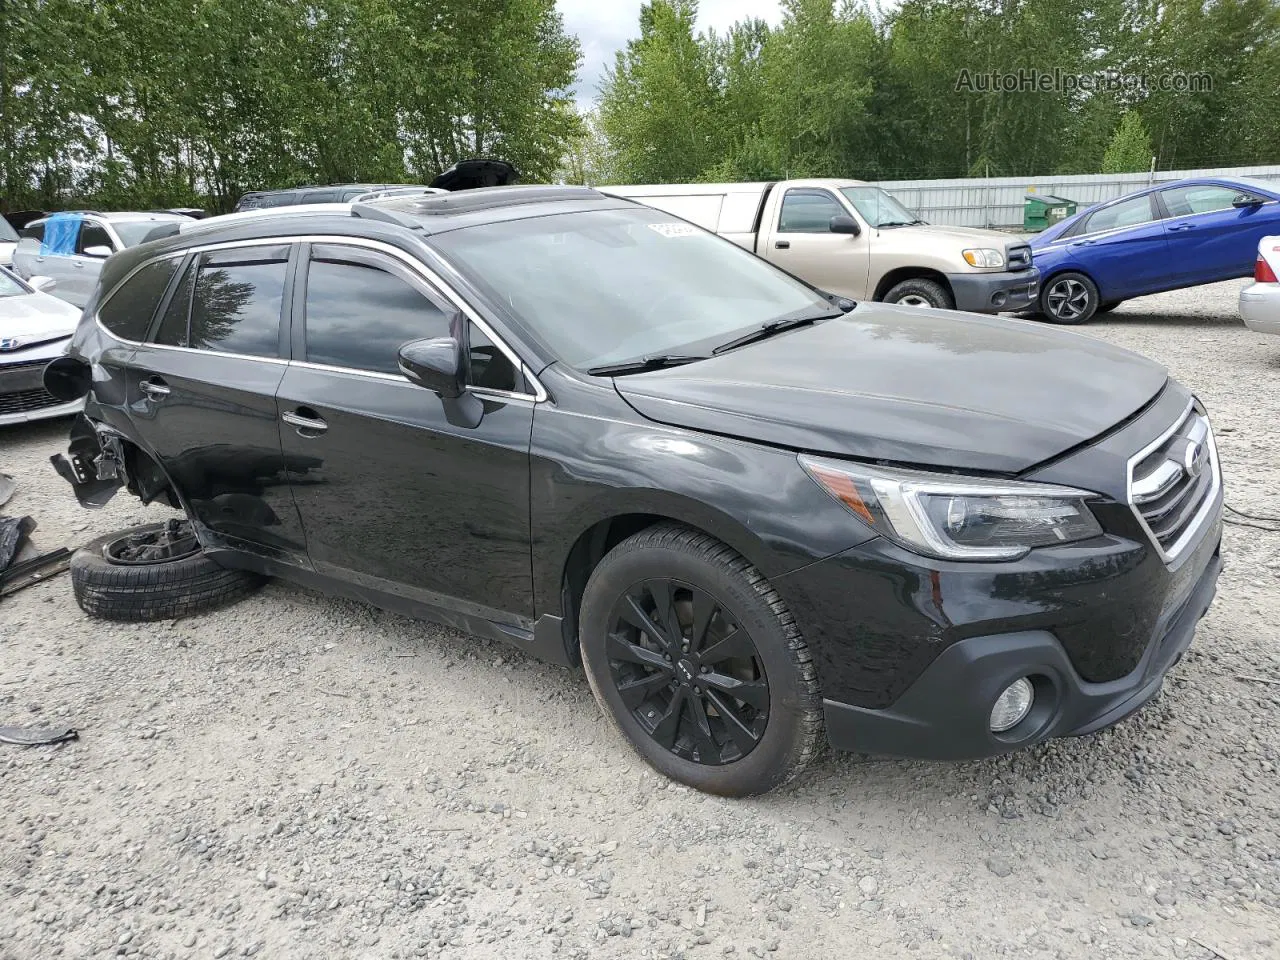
x: 1069, y: 298
x: 120, y: 577
x: 695, y: 730
x: 920, y: 292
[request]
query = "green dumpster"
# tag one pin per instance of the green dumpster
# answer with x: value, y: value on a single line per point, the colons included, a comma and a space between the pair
x: 1043, y: 210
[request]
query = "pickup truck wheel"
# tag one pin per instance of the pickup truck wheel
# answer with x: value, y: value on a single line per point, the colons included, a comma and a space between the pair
x: 920, y: 292
x: 695, y: 658
x: 1069, y: 298
x: 154, y: 572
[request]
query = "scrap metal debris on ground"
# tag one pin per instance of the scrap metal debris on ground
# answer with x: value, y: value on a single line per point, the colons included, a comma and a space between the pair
x: 15, y: 534
x: 37, y: 736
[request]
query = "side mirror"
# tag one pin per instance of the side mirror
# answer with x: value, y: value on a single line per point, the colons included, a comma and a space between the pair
x: 843, y: 223
x: 437, y: 364
x: 1244, y: 200
x: 99, y: 252
x: 43, y: 284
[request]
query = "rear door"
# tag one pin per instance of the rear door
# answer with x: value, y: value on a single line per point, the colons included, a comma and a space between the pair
x: 201, y: 394
x: 802, y: 243
x: 1209, y: 238
x: 402, y: 499
x: 1122, y: 247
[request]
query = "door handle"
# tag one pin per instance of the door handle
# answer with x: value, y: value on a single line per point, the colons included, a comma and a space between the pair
x: 782, y: 244
x: 1182, y: 226
x: 306, y: 422
x: 154, y: 389
x: 78, y: 264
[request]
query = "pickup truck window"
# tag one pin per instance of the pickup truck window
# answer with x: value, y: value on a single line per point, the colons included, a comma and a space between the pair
x: 878, y: 208
x: 808, y: 211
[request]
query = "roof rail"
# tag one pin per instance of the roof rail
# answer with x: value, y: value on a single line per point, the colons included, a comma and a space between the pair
x: 367, y: 211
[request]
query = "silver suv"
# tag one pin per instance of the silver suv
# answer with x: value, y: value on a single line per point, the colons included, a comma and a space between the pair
x: 70, y: 247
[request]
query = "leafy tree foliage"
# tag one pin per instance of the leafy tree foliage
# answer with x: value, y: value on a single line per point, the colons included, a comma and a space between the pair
x: 140, y: 103
x: 946, y: 88
x: 1130, y: 149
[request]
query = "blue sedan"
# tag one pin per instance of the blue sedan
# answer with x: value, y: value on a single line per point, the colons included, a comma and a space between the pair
x: 1176, y: 235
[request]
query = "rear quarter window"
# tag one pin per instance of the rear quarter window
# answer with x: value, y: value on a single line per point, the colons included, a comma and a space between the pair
x: 127, y: 313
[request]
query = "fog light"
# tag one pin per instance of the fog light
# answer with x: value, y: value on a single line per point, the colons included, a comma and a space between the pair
x: 998, y: 299
x: 1013, y: 706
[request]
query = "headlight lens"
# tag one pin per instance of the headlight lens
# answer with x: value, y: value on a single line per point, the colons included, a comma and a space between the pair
x: 983, y: 257
x: 957, y: 518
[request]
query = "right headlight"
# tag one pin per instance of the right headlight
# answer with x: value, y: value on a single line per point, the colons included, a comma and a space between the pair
x: 953, y: 517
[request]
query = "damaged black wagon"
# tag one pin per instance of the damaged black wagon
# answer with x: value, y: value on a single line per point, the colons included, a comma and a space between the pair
x: 759, y: 516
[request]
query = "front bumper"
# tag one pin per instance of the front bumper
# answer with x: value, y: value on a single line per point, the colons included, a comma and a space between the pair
x: 995, y: 292
x: 944, y: 714
x: 22, y: 394
x: 1260, y: 307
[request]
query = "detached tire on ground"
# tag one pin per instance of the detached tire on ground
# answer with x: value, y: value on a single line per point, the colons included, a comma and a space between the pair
x: 698, y: 662
x: 920, y: 292
x: 153, y: 572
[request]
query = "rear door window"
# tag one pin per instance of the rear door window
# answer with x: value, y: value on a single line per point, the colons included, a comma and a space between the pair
x: 33, y: 231
x: 172, y: 331
x: 237, y: 301
x: 1127, y: 213
x: 128, y: 312
x: 362, y: 306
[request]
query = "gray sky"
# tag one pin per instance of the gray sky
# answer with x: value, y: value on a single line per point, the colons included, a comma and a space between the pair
x: 604, y: 26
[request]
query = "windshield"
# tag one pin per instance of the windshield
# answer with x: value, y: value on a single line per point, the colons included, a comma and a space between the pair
x: 607, y: 285
x: 878, y: 208
x: 7, y: 233
x: 9, y: 285
x: 133, y: 232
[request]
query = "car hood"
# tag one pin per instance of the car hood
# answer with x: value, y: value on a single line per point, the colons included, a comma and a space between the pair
x: 36, y: 318
x: 962, y: 235
x: 907, y: 385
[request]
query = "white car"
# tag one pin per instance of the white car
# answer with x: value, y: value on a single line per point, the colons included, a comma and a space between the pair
x: 1260, y: 301
x: 8, y: 240
x: 70, y: 247
x: 34, y: 329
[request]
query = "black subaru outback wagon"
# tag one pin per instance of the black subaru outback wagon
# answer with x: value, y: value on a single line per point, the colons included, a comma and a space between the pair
x: 758, y: 515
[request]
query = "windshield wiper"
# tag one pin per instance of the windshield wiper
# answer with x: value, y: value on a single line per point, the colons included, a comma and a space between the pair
x: 774, y: 327
x: 657, y: 362
x: 899, y: 223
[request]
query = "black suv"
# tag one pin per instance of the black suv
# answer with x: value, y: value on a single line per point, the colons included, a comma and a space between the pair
x: 754, y: 512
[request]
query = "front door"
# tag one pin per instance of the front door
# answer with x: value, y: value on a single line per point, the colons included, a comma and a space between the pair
x: 802, y: 243
x: 402, y: 500
x: 1210, y: 239
x: 201, y: 393
x: 85, y: 268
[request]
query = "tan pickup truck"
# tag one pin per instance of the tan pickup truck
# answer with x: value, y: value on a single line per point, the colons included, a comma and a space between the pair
x: 851, y: 238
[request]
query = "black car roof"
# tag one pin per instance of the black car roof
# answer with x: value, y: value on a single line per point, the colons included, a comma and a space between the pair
x: 395, y: 220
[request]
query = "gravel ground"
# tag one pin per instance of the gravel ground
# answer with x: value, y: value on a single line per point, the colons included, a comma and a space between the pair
x: 298, y: 776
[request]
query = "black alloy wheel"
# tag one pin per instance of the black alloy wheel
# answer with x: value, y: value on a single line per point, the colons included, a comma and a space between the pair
x: 697, y: 660
x: 689, y: 673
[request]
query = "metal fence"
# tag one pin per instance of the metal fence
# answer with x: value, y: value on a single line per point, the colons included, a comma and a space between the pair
x: 998, y: 201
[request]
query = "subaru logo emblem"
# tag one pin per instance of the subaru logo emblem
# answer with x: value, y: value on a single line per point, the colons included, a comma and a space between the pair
x: 8, y: 344
x: 1193, y: 456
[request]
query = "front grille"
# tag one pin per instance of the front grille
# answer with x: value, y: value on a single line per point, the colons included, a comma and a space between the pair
x: 1018, y: 258
x: 25, y: 401
x: 1174, y: 482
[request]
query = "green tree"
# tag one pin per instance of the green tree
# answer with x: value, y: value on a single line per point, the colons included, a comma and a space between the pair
x: 1130, y: 148
x: 658, y: 105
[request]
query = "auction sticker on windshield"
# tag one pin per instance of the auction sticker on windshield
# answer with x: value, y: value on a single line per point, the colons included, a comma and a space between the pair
x: 675, y: 229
